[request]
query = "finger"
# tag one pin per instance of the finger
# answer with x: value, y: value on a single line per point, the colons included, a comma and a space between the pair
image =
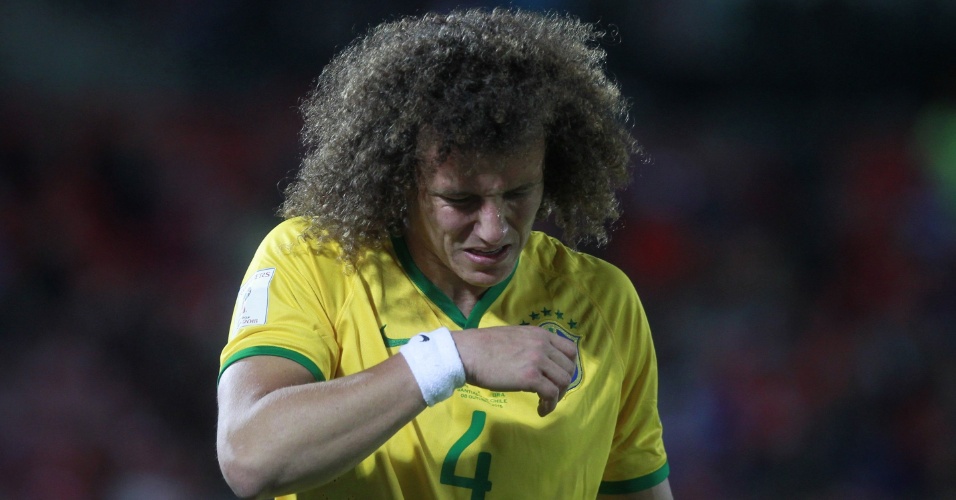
x: 560, y: 373
x: 547, y: 400
x: 561, y: 357
x: 555, y: 349
x: 565, y: 346
x: 561, y: 377
x: 544, y: 407
x: 552, y: 387
x: 565, y: 363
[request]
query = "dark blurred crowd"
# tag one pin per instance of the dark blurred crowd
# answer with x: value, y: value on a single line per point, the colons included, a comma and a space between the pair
x: 791, y: 230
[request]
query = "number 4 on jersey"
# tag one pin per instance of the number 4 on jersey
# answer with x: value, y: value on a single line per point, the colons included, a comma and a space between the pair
x: 479, y: 484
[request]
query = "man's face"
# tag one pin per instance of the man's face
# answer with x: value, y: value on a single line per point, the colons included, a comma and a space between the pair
x: 473, y: 215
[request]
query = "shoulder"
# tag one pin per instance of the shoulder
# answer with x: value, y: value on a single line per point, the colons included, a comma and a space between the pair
x: 298, y: 261
x: 592, y: 282
x: 290, y: 243
x: 557, y: 261
x: 290, y: 237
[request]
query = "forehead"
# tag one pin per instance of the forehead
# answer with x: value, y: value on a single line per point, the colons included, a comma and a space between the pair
x: 466, y: 169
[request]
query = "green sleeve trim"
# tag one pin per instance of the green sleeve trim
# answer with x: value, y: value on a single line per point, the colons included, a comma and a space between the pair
x: 281, y: 352
x: 637, y: 484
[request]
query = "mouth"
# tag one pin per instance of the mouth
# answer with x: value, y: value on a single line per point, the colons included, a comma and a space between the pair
x: 488, y: 254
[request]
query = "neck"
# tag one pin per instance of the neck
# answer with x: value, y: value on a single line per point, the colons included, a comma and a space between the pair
x: 461, y: 293
x: 465, y: 300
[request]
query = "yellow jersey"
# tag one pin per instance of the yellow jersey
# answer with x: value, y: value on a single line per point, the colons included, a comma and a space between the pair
x: 300, y: 302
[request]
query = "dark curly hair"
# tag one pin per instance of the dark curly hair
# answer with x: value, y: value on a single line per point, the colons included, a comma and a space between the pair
x: 472, y: 80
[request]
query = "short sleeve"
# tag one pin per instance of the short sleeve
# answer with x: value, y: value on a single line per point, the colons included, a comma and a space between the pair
x: 283, y: 308
x: 637, y: 460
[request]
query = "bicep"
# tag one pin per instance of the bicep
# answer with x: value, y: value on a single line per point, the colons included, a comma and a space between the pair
x: 247, y: 381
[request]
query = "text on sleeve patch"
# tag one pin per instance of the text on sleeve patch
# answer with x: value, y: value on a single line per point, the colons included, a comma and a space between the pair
x: 252, y: 304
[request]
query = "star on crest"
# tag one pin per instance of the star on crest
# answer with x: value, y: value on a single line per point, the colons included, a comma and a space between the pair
x: 535, y: 315
x: 546, y: 312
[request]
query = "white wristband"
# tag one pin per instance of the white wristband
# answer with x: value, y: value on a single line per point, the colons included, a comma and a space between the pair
x: 433, y: 358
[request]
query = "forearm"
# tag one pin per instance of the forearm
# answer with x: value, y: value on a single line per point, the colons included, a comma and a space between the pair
x: 303, y: 435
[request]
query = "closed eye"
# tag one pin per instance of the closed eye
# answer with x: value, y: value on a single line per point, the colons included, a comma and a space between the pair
x: 522, y: 191
x: 458, y: 200
x: 518, y: 193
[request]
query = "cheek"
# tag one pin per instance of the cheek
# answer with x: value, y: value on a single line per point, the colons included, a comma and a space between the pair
x: 450, y: 224
x: 525, y: 213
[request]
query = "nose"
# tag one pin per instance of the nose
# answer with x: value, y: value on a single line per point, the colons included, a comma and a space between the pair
x: 491, y: 225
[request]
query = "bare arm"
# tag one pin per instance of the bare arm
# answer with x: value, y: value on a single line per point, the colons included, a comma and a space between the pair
x: 660, y: 492
x: 279, y: 431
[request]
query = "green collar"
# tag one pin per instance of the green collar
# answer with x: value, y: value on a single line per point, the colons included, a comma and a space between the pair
x: 439, y: 298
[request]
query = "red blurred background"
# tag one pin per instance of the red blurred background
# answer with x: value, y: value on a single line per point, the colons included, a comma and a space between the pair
x: 792, y: 235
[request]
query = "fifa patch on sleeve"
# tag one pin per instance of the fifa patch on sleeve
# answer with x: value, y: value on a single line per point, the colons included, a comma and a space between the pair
x: 253, y: 302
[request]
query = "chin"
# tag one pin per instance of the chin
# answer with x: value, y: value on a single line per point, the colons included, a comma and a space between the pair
x: 486, y: 279
x: 484, y: 276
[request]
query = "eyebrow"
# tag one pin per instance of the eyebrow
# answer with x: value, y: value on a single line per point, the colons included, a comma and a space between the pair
x: 452, y: 194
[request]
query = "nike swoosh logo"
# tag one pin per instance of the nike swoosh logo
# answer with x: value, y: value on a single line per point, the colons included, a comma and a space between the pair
x: 390, y: 342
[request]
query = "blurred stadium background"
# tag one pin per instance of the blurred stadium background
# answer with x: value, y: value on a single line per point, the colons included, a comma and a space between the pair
x: 793, y: 235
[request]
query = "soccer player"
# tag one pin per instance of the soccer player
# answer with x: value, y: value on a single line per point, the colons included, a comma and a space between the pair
x: 404, y: 333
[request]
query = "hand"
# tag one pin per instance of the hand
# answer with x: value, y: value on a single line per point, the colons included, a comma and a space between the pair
x: 518, y: 358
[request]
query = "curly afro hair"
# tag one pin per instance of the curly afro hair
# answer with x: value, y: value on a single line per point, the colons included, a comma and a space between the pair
x: 471, y: 80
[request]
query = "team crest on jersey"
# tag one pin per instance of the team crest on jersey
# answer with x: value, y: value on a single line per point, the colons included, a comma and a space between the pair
x: 555, y: 322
